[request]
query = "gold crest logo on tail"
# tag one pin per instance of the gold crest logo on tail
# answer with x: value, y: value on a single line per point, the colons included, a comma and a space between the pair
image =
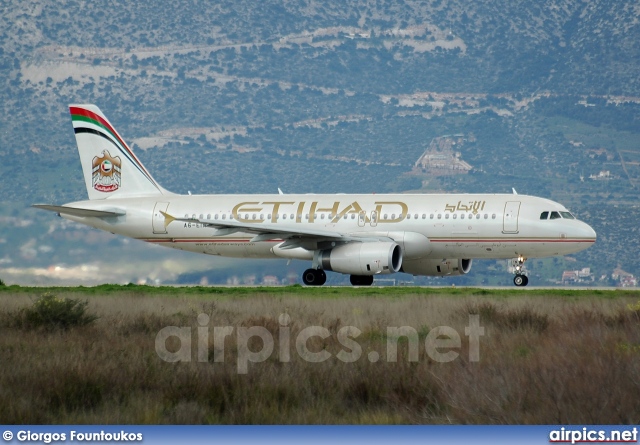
x: 106, y: 172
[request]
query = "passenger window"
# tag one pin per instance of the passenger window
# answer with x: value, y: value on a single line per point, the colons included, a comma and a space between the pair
x: 493, y: 216
x: 284, y: 216
x: 424, y: 216
x: 555, y: 215
x: 415, y: 216
x: 322, y: 216
x: 439, y: 216
x: 224, y: 216
x: 393, y: 216
x: 291, y: 216
x: 208, y: 215
x: 409, y: 216
x: 455, y: 216
x: 353, y: 216
x: 486, y: 216
x: 201, y: 216
x: 431, y: 216
x: 215, y: 216
x: 544, y: 215
x: 567, y: 215
x: 462, y: 216
x: 446, y: 216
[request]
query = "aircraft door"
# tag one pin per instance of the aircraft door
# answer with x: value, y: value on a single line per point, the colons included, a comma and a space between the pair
x: 510, y: 218
x: 374, y: 218
x: 158, y: 218
x: 362, y: 218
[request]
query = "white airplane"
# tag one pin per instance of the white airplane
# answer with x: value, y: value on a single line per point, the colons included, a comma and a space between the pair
x: 360, y: 235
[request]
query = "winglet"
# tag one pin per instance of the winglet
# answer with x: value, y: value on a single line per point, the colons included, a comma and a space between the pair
x: 168, y: 219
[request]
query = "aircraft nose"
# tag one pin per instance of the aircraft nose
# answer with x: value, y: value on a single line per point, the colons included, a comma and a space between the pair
x: 587, y: 232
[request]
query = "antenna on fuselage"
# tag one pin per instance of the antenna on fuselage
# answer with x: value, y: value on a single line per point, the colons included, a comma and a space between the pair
x: 280, y: 192
x: 514, y: 191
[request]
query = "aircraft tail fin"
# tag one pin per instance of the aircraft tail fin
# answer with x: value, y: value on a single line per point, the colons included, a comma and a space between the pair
x: 110, y: 167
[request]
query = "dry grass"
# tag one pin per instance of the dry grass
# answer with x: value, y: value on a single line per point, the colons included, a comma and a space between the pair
x: 543, y: 360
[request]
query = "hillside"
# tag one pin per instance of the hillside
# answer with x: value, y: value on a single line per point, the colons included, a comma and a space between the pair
x: 324, y: 97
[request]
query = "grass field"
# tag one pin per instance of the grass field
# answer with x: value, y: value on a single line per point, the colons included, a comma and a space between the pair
x: 546, y: 357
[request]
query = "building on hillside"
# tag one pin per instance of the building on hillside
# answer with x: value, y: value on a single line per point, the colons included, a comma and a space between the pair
x: 440, y: 159
x: 270, y: 280
x: 624, y: 279
x: 577, y: 276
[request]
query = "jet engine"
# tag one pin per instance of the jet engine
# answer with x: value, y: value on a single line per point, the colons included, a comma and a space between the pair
x: 365, y: 258
x: 437, y: 267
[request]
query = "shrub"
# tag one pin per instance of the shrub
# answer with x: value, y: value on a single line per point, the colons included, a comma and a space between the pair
x: 2, y: 283
x: 513, y: 319
x: 524, y: 318
x: 52, y: 312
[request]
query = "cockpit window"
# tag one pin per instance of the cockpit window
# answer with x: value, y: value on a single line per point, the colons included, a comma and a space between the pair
x: 555, y: 215
x: 567, y: 215
x: 544, y: 215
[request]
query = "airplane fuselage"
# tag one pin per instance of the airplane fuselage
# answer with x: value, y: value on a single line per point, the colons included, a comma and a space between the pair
x: 460, y: 226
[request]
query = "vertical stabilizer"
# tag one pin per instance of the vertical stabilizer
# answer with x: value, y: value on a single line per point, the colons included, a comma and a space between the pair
x: 110, y: 167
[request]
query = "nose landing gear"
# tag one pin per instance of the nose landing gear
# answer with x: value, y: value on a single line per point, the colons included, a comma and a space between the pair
x: 521, y: 278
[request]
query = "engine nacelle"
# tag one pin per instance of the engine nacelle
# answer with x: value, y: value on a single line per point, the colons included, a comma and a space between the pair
x: 366, y: 258
x: 437, y: 267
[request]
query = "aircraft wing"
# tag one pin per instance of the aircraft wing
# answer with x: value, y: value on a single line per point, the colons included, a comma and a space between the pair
x: 75, y: 211
x: 266, y: 231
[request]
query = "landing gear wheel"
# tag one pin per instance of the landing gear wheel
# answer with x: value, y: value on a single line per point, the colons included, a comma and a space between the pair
x: 520, y: 280
x: 361, y: 280
x: 314, y: 277
x: 322, y: 277
x: 518, y: 267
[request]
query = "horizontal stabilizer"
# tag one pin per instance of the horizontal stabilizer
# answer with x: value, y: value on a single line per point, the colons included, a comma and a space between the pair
x: 84, y: 213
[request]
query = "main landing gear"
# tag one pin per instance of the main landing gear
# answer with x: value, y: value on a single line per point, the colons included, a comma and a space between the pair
x: 314, y: 277
x: 317, y: 277
x: 518, y: 267
x: 361, y: 280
